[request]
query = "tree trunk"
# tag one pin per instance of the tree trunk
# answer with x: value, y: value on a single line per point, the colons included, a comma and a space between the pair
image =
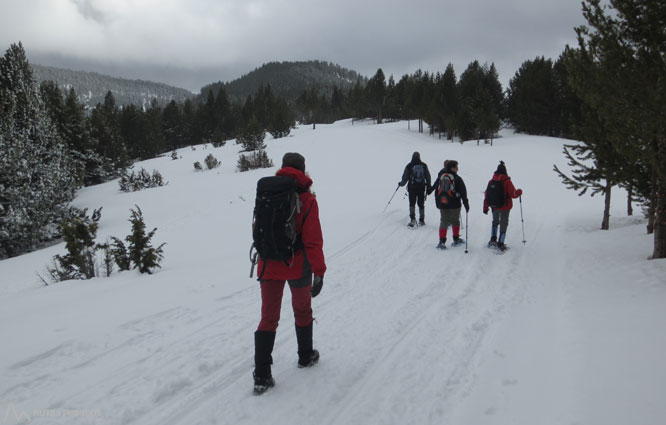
x: 650, y: 217
x: 630, y: 209
x: 605, y: 223
x: 660, y: 221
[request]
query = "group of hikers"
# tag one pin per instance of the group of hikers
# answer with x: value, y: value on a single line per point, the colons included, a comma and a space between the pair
x: 451, y: 196
x: 288, y: 241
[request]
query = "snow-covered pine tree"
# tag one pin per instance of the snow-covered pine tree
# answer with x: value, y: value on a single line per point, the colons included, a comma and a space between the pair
x: 37, y: 179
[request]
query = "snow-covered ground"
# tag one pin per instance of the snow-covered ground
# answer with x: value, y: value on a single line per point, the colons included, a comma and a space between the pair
x: 565, y: 329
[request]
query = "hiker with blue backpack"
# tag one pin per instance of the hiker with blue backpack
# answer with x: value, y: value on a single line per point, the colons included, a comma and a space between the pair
x: 450, y: 196
x: 498, y: 197
x: 288, y: 241
x: 417, y: 175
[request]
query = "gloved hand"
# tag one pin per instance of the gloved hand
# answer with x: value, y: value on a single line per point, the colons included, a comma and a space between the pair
x: 519, y: 192
x: 430, y: 190
x: 485, y: 211
x: 467, y: 207
x: 317, y: 283
x: 400, y: 184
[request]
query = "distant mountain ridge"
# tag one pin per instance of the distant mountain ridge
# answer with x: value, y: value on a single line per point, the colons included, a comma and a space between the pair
x: 92, y: 87
x: 289, y: 80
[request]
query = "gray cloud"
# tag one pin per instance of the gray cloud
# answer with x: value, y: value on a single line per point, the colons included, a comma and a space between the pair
x: 89, y: 11
x: 196, y: 42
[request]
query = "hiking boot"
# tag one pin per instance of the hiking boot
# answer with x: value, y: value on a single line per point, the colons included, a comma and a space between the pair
x: 492, y: 242
x: 263, y: 347
x: 412, y: 223
x: 306, y: 355
x: 262, y: 383
x: 309, y: 361
x: 501, y: 246
x: 442, y: 244
x: 421, y: 222
x: 458, y: 241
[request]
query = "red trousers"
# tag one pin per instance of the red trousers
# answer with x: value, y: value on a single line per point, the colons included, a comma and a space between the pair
x: 271, y: 302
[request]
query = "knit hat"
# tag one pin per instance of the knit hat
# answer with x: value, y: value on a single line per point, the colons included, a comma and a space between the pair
x: 416, y: 156
x: 501, y: 168
x: 294, y: 160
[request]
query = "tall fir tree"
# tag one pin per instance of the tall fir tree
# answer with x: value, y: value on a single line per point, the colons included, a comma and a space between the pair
x: 37, y: 179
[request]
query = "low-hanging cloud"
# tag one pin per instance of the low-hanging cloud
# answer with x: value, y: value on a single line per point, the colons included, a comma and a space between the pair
x: 397, y: 36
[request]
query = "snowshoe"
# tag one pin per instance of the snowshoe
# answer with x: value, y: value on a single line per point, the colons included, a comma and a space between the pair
x: 412, y: 224
x: 441, y: 244
x: 421, y: 222
x: 458, y: 241
x: 314, y: 358
x: 262, y: 384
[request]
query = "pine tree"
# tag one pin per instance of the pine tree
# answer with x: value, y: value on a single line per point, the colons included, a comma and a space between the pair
x: 533, y: 104
x: 37, y: 179
x: 376, y: 93
x: 621, y: 76
x: 106, y: 136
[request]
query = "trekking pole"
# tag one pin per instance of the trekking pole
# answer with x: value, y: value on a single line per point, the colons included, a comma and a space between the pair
x: 466, y: 230
x: 521, y: 217
x: 396, y: 191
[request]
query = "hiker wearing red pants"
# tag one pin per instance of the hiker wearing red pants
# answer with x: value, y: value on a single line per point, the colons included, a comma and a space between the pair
x: 304, y: 272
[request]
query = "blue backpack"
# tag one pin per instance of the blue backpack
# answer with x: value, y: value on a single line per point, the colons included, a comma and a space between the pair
x: 418, y: 174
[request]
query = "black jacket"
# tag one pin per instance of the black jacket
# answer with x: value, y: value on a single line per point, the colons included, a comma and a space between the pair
x: 407, y: 174
x: 460, y: 189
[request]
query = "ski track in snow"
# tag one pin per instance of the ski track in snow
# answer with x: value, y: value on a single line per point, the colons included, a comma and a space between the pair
x: 408, y: 334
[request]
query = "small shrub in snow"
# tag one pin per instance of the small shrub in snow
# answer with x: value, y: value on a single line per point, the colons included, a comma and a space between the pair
x: 81, y: 261
x: 139, y: 253
x: 135, y: 181
x: 197, y: 166
x: 174, y: 155
x: 254, y: 160
x: 211, y: 161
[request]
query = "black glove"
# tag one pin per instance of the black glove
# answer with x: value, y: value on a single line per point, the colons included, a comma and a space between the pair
x: 430, y: 190
x: 400, y: 184
x: 485, y: 211
x: 467, y: 207
x: 317, y: 283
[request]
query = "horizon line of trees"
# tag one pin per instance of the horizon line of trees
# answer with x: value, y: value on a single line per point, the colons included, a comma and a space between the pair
x: 607, y: 93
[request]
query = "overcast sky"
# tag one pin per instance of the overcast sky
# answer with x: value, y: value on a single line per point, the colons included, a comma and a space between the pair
x: 190, y: 43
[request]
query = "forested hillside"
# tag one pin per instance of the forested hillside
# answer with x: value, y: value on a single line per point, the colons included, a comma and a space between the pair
x: 289, y: 80
x: 92, y: 87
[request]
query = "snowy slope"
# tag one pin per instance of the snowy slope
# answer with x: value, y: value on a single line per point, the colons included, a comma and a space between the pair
x: 565, y: 329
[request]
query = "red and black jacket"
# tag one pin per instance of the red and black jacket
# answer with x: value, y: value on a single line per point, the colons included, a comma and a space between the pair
x: 510, y: 192
x: 311, y: 255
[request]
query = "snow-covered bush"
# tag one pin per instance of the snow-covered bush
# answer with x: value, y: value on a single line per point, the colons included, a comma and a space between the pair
x: 135, y: 181
x: 254, y: 160
x: 211, y: 161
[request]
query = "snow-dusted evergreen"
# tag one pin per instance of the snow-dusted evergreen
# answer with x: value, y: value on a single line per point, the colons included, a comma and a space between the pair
x: 37, y: 177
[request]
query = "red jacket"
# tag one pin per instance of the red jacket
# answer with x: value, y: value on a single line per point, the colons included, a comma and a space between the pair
x: 509, y: 192
x: 309, y: 227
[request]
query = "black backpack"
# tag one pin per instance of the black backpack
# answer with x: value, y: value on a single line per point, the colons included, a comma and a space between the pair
x: 274, y: 229
x: 446, y: 191
x: 495, y: 196
x: 418, y: 174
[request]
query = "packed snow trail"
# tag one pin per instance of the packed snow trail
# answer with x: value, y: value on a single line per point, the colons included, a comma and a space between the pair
x: 407, y: 334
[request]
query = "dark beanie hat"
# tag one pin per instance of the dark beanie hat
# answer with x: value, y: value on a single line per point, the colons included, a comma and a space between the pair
x: 451, y: 164
x: 294, y: 160
x: 416, y: 156
x: 501, y: 168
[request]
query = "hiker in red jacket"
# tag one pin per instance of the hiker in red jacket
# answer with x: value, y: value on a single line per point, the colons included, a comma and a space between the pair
x: 308, y: 261
x: 498, y: 196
